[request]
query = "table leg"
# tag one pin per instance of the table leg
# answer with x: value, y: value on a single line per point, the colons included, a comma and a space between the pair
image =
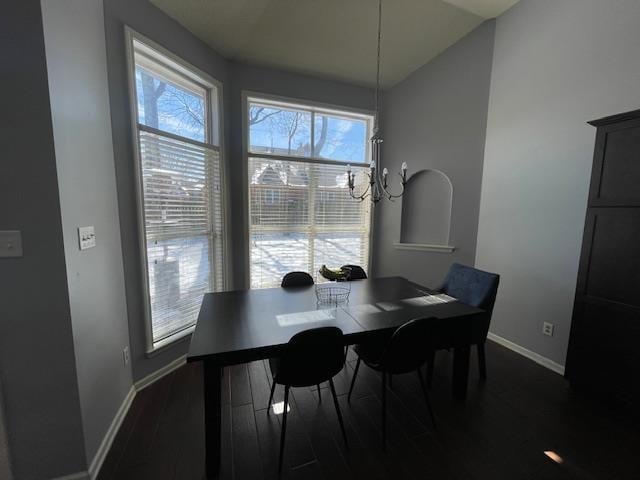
x: 461, y: 356
x: 212, y: 417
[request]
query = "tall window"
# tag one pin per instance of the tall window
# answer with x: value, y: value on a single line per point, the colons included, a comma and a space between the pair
x: 179, y: 171
x: 301, y: 214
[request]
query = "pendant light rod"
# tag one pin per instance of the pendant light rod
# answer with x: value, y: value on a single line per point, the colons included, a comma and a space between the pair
x: 377, y: 99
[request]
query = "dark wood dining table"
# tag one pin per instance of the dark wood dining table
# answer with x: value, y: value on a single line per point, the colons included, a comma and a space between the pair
x: 247, y: 325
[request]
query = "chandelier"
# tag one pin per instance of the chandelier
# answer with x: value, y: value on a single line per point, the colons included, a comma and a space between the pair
x: 377, y: 184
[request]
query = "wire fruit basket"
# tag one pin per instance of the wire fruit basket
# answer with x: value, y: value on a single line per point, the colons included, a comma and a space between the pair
x: 333, y: 293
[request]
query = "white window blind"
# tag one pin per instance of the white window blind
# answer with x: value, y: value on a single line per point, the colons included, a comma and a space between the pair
x: 301, y: 214
x: 180, y: 189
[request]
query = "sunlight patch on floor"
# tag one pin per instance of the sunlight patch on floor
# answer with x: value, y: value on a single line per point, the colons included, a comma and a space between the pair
x: 554, y: 456
x: 278, y: 408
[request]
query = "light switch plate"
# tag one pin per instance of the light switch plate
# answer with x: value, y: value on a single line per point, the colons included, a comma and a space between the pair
x: 10, y: 243
x: 87, y: 237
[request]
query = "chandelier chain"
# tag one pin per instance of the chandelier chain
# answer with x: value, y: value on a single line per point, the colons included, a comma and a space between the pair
x: 377, y: 99
x: 376, y: 186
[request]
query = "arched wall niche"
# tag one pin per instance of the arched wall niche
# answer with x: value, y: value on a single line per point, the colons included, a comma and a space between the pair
x: 426, y: 212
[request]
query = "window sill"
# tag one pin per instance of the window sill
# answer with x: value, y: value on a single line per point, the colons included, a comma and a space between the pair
x: 420, y: 247
x: 162, y: 345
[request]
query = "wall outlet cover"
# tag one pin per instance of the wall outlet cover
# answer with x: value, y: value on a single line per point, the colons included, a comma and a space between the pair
x: 547, y: 329
x: 10, y: 243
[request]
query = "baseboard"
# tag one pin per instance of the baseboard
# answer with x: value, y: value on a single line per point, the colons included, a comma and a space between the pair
x: 75, y: 476
x: 105, y: 446
x: 158, y: 374
x: 536, y: 357
x: 107, y: 440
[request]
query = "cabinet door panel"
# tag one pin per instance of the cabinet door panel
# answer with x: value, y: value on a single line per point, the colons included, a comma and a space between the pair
x: 613, y: 263
x: 605, y: 347
x: 617, y: 166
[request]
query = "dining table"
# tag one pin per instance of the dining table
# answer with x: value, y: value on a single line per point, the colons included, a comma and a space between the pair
x: 242, y: 326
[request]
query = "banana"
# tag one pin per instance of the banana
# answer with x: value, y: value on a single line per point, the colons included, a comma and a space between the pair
x: 333, y: 274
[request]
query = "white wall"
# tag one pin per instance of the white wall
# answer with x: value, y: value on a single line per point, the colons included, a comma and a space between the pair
x: 76, y: 62
x: 557, y: 64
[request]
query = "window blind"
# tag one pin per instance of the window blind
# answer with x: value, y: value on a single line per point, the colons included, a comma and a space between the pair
x: 301, y: 217
x: 182, y: 205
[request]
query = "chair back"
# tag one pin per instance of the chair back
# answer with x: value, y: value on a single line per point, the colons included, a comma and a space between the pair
x: 473, y: 287
x: 297, y: 279
x: 408, y: 347
x: 356, y: 272
x: 311, y: 357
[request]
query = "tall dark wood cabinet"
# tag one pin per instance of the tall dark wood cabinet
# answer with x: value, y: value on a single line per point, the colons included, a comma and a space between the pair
x: 604, y: 349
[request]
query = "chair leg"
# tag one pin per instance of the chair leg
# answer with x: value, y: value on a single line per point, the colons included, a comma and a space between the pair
x: 273, y: 389
x: 430, y: 362
x: 353, y: 380
x: 319, y: 396
x: 482, y: 361
x: 335, y: 402
x: 284, y: 426
x: 384, y: 410
x: 426, y: 398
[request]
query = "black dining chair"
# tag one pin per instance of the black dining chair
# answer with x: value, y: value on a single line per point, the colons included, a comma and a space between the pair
x: 310, y: 358
x: 404, y: 352
x: 476, y: 288
x: 297, y: 279
x: 356, y: 272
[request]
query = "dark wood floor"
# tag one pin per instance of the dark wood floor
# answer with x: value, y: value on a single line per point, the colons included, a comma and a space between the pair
x: 501, y: 432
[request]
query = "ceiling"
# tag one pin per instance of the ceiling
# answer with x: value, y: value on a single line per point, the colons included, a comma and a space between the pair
x: 333, y: 38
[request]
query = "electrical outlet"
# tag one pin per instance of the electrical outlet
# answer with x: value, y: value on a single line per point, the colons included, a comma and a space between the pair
x: 125, y: 355
x: 547, y: 329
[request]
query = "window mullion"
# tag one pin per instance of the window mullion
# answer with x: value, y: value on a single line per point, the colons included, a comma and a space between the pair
x: 313, y: 183
x: 313, y: 135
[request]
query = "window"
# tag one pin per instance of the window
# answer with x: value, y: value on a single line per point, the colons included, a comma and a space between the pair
x: 180, y: 178
x: 301, y: 214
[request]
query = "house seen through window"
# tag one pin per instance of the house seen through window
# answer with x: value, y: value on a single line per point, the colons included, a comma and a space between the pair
x: 301, y: 214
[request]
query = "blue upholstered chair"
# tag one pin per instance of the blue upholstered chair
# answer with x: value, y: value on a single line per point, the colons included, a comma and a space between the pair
x: 478, y: 289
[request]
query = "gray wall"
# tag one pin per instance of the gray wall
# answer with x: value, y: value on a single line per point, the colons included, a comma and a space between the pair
x: 76, y: 62
x: 556, y: 66
x: 436, y: 119
x: 37, y: 361
x: 154, y: 24
x: 279, y: 83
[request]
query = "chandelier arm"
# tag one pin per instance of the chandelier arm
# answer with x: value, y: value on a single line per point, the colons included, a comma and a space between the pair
x: 360, y: 198
x: 364, y: 194
x: 391, y: 195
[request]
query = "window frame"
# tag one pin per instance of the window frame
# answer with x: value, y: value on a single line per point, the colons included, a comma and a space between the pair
x: 214, y: 108
x: 316, y: 107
